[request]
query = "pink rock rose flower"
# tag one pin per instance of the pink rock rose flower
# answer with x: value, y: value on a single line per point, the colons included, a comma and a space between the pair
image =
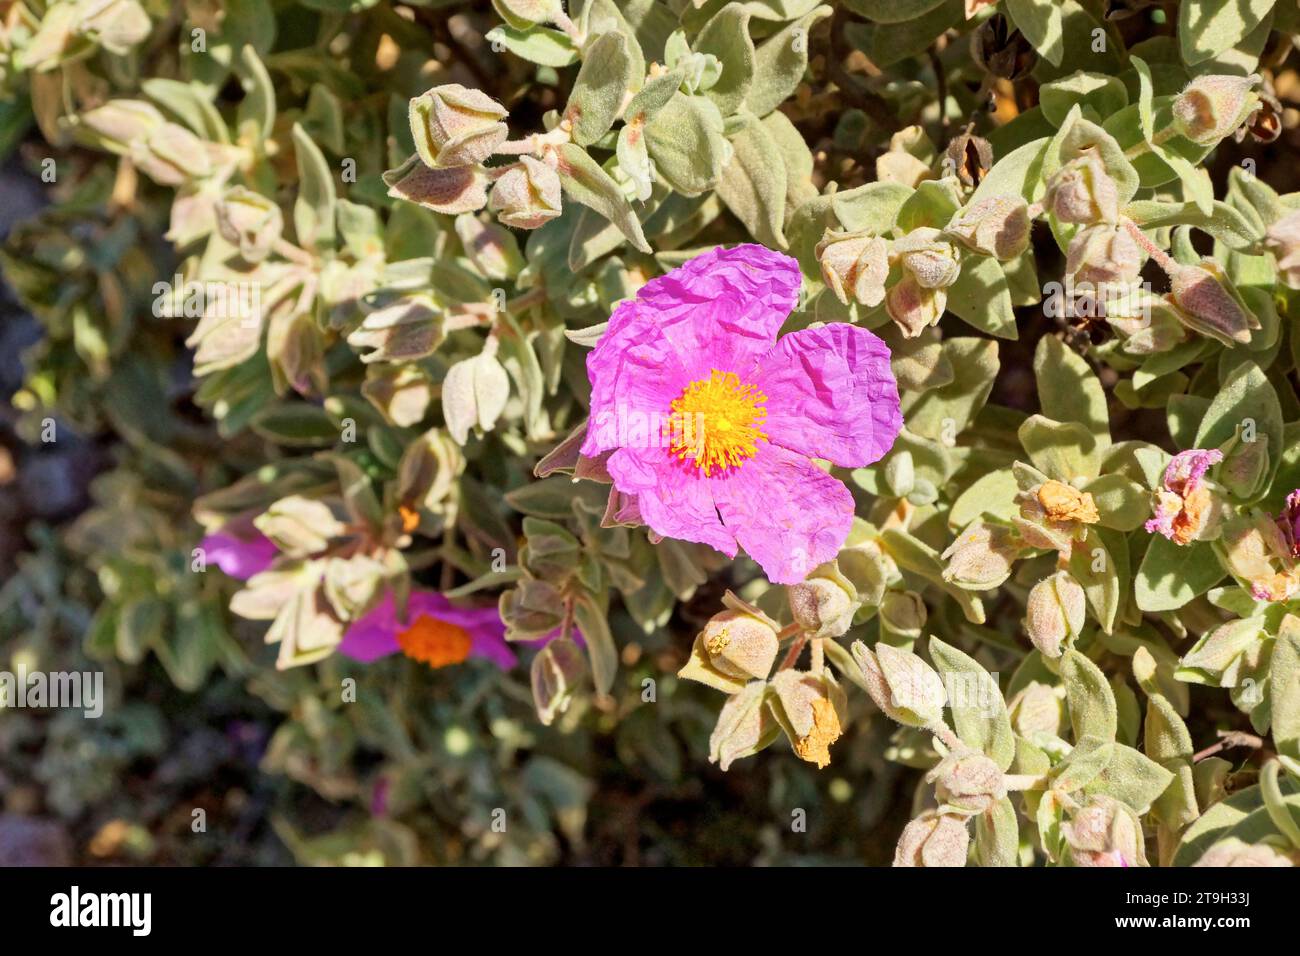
x: 713, y: 422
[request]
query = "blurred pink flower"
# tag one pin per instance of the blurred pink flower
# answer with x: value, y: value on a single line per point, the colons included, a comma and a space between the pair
x: 435, y: 632
x: 240, y: 556
x: 1289, y: 522
x: 713, y: 421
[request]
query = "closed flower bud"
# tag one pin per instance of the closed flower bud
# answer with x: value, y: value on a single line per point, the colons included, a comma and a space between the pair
x: 1208, y: 302
x: 854, y: 265
x: 1082, y: 191
x: 913, y: 307
x: 980, y: 558
x: 997, y: 226
x: 929, y: 257
x: 556, y: 672
x: 1054, y: 613
x: 740, y: 644
x: 1236, y: 852
x: 903, y: 686
x: 824, y: 603
x: 1283, y: 240
x: 250, y: 221
x: 900, y: 474
x: 933, y: 840
x: 1102, y: 257
x: 1258, y: 552
x: 967, y: 783
x: 171, y: 155
x: 812, y: 707
x: 527, y: 195
x: 1038, y: 709
x: 116, y: 25
x: 456, y: 126
x: 1212, y: 107
x: 122, y: 122
x: 1104, y: 832
x: 902, y: 616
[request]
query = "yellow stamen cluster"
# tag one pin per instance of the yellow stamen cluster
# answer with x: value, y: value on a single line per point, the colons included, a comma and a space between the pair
x: 716, y: 421
x: 434, y: 642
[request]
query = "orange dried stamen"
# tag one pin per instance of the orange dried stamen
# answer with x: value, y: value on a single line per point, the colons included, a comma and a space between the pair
x: 434, y: 642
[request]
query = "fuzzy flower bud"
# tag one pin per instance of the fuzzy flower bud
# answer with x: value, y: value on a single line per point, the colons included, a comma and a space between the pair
x: 967, y: 783
x: 902, y: 616
x: 903, y: 686
x: 1283, y: 240
x: 979, y: 559
x: 1082, y: 191
x: 932, y: 840
x: 1212, y: 107
x: 1236, y: 852
x: 456, y: 126
x: 1258, y: 552
x: 927, y: 256
x: 997, y: 226
x: 854, y: 265
x: 528, y: 195
x: 1208, y: 302
x: 1103, y: 257
x: 1104, y: 832
x: 913, y: 307
x: 1037, y: 709
x: 1055, y: 612
x: 1183, y: 503
x: 250, y: 221
x: 740, y: 644
x: 824, y: 603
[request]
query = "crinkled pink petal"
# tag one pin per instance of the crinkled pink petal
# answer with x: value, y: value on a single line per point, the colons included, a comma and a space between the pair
x: 1289, y: 522
x: 673, y: 496
x: 831, y: 394
x: 1186, y: 469
x: 240, y: 557
x: 722, y: 310
x: 1162, y: 519
x: 788, y: 514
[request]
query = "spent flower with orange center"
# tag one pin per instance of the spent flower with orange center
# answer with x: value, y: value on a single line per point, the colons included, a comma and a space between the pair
x: 1061, y: 502
x: 434, y: 642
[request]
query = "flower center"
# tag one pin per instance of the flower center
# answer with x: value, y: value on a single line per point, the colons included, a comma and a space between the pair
x: 716, y: 421
x: 434, y: 642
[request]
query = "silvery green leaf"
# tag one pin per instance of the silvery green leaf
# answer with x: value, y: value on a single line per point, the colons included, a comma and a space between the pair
x: 1091, y: 700
x: 726, y: 37
x: 780, y: 62
x: 997, y: 835
x: 1098, y: 96
x: 1068, y: 390
x: 313, y: 211
x: 979, y: 713
x: 1172, y: 575
x: 586, y: 183
x: 982, y: 298
x: 1083, y: 764
x: 685, y: 139
x: 1061, y: 450
x: 1131, y: 778
x: 1040, y: 22
x: 753, y: 184
x: 541, y: 45
x: 1101, y: 564
x: 605, y: 78
x: 593, y: 622
x: 257, y: 109
x: 1207, y: 28
x: 1284, y: 689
